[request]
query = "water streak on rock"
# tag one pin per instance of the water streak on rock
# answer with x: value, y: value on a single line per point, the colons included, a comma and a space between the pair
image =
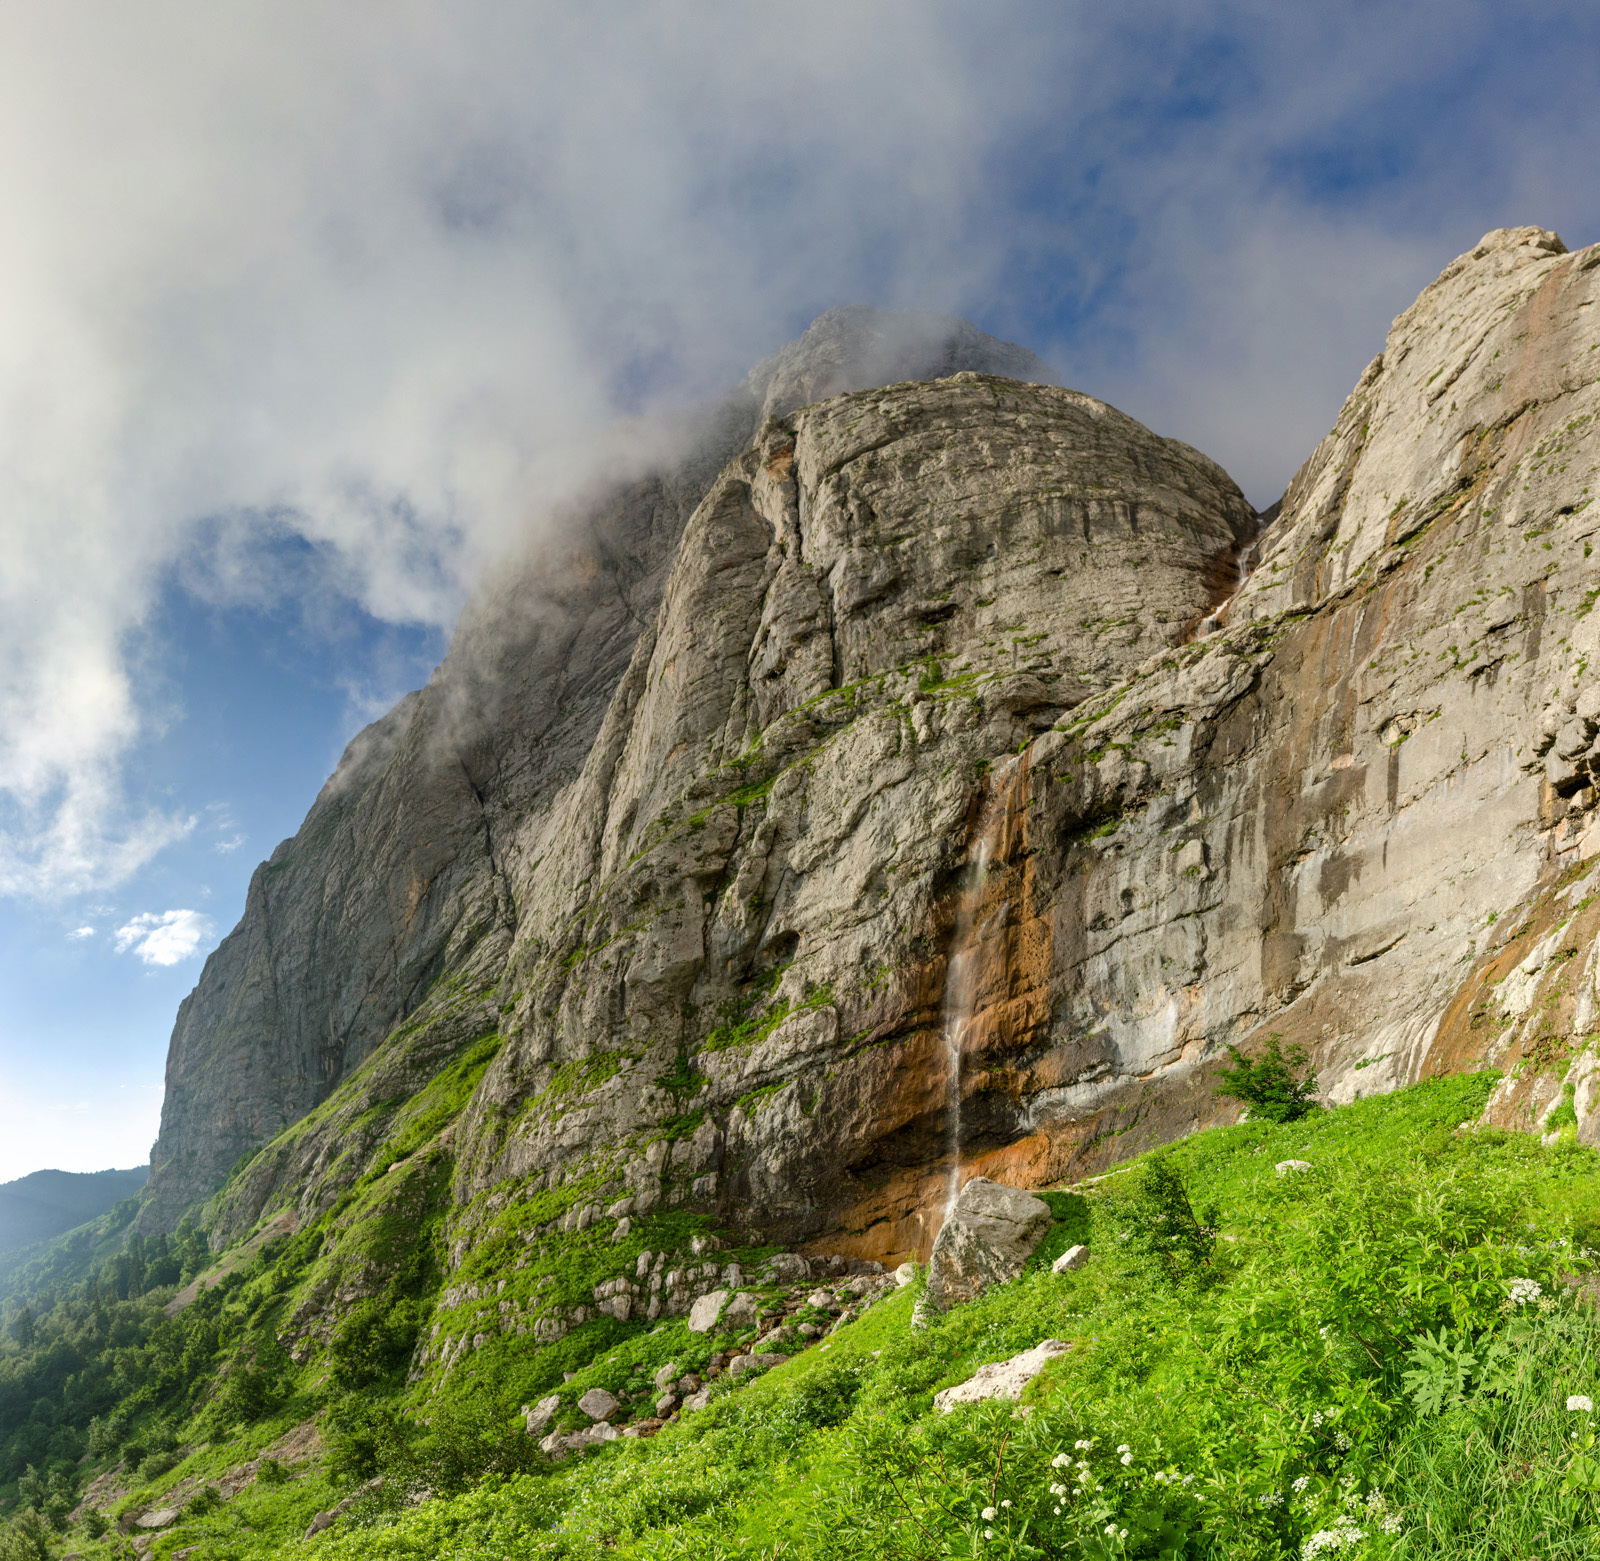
x: 976, y: 926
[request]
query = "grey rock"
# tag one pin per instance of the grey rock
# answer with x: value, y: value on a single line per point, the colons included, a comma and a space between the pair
x: 557, y: 1445
x: 704, y: 1313
x: 1003, y: 1379
x: 694, y: 1401
x: 667, y: 1375
x: 905, y: 1274
x: 744, y: 1365
x: 539, y: 1417
x: 1073, y: 1257
x: 598, y: 1404
x: 743, y: 1311
x: 666, y: 1404
x: 989, y: 1236
x: 162, y: 1517
x: 1289, y: 1167
x: 788, y: 1268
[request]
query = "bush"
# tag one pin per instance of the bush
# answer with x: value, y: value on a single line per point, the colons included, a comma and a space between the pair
x: 1163, y: 1228
x: 1271, y: 1085
x: 373, y: 1342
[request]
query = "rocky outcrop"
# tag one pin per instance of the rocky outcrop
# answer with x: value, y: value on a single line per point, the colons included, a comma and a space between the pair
x: 922, y: 809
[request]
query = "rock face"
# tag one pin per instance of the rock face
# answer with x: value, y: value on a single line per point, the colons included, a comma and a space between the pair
x: 397, y: 879
x: 991, y: 1232
x: 866, y: 807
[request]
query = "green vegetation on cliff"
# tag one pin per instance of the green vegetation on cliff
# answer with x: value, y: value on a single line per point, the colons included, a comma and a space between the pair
x: 1370, y: 1354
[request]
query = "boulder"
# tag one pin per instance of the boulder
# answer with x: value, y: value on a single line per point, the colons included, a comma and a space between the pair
x: 788, y: 1268
x: 1002, y: 1379
x: 989, y: 1235
x: 704, y: 1313
x: 1073, y: 1257
x: 1288, y: 1167
x: 162, y: 1517
x: 700, y: 1400
x: 558, y: 1445
x: 905, y: 1274
x: 539, y: 1417
x: 743, y: 1365
x: 666, y: 1404
x: 666, y: 1376
x: 598, y: 1404
x: 743, y: 1311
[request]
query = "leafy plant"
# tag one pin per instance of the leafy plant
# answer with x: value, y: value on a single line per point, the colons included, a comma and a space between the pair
x: 1274, y: 1085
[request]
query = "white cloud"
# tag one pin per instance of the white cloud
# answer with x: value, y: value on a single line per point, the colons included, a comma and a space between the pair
x: 164, y: 937
x: 79, y: 933
x: 302, y: 301
x: 230, y: 845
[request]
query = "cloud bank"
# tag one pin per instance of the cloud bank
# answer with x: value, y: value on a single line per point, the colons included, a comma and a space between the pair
x: 298, y: 299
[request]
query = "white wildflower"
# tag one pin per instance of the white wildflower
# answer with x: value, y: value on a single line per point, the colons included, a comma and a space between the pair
x: 1342, y: 1442
x: 1111, y: 1529
x: 1301, y: 1483
x: 1060, y: 1461
x: 989, y: 1513
x: 1082, y: 1447
x: 1127, y: 1458
x: 1344, y: 1532
x: 988, y: 1533
x: 1581, y: 1401
x: 1006, y: 1502
x: 1525, y: 1290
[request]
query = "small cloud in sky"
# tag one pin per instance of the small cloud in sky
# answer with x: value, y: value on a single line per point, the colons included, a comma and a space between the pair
x: 231, y: 844
x: 164, y: 937
x: 78, y: 934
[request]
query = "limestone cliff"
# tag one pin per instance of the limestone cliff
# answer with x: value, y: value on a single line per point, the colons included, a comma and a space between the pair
x: 890, y: 803
x: 395, y: 881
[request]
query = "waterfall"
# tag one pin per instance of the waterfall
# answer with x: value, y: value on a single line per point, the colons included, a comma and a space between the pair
x: 974, y: 927
x: 1216, y: 618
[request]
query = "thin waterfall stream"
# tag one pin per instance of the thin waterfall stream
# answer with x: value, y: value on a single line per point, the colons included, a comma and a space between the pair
x: 964, y: 967
x: 1217, y: 618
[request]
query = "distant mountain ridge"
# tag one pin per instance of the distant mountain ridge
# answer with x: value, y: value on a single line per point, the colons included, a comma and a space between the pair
x: 49, y: 1203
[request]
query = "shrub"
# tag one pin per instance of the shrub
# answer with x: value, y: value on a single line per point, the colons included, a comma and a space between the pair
x: 1162, y: 1228
x: 1272, y: 1085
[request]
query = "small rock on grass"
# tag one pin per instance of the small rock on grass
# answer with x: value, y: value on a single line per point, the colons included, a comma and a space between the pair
x: 1001, y: 1379
x: 1285, y: 1167
x: 1073, y: 1257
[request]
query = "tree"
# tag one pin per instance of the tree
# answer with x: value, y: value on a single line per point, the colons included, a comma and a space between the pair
x: 22, y: 1328
x: 1272, y: 1085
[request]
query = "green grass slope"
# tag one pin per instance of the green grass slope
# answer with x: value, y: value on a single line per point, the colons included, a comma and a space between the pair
x: 1370, y: 1357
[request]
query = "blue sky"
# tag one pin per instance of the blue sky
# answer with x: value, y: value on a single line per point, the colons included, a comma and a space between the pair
x: 307, y: 319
